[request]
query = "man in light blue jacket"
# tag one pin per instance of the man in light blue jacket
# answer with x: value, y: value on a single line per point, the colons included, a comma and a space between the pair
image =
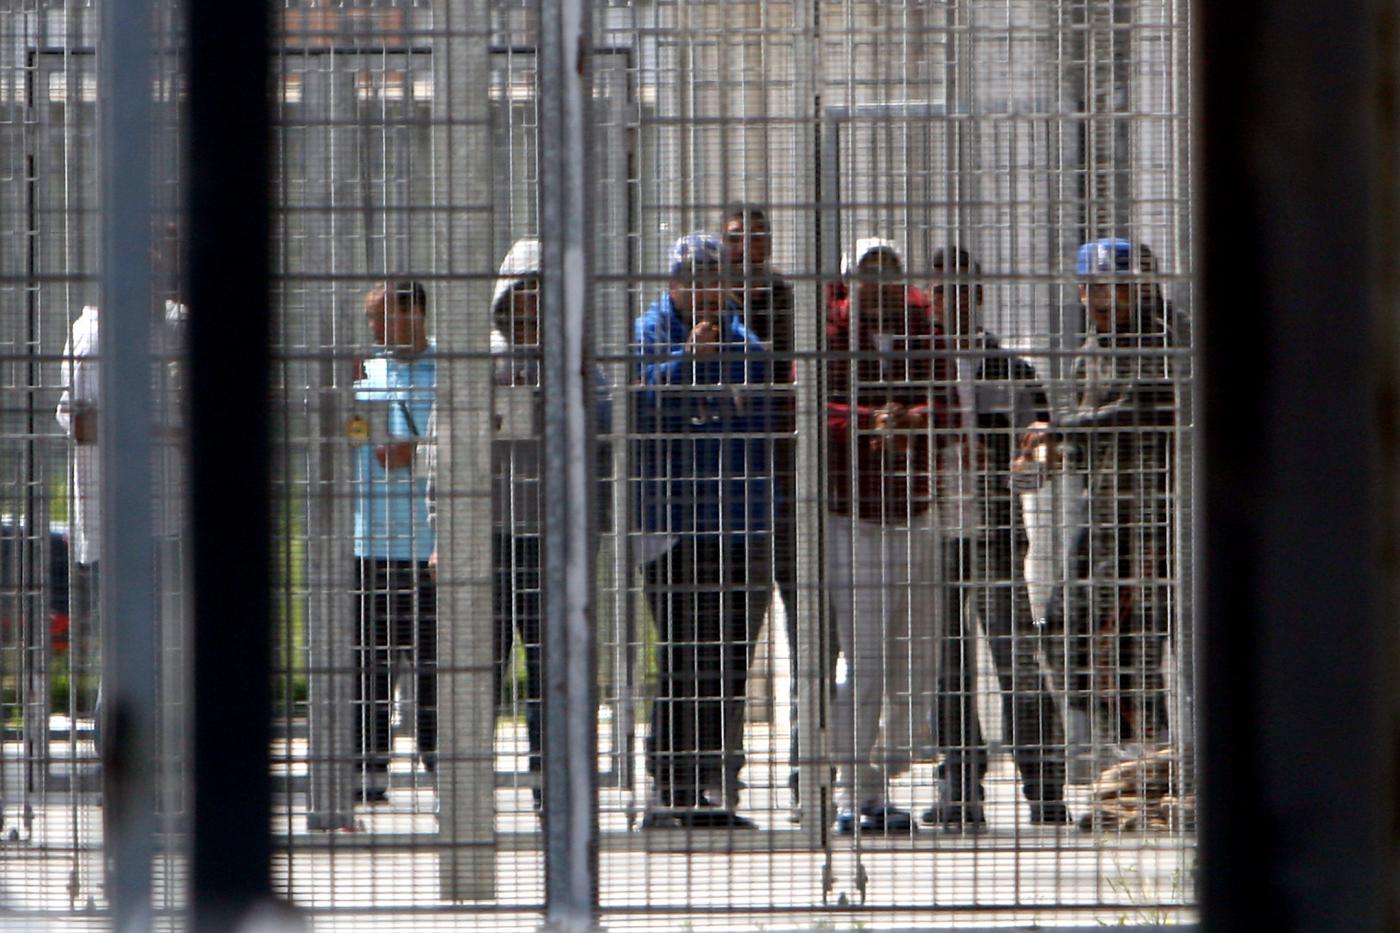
x: 395, y: 592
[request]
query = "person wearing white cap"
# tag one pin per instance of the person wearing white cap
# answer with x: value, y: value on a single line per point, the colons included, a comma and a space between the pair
x: 885, y: 397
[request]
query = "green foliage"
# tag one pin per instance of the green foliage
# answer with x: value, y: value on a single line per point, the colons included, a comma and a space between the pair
x: 1153, y: 906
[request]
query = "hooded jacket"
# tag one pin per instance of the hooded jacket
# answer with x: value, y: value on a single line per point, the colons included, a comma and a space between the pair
x: 517, y: 500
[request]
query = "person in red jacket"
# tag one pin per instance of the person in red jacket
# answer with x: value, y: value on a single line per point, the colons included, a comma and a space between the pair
x: 885, y: 397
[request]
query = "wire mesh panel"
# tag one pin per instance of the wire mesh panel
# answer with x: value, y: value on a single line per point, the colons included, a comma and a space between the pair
x: 52, y: 642
x: 985, y: 494
x: 887, y: 382
x: 48, y: 641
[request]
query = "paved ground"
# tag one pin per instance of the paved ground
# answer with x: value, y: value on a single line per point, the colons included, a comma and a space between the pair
x: 384, y: 876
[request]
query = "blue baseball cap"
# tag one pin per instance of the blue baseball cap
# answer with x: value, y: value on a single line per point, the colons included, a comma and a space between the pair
x: 1105, y: 257
x: 694, y: 252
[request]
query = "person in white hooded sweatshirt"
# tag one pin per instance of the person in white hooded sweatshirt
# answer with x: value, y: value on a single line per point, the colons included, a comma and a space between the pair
x: 517, y: 496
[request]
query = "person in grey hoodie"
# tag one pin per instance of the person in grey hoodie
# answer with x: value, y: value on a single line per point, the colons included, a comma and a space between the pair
x: 517, y: 495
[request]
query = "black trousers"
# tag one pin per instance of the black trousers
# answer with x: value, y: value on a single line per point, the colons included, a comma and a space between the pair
x: 398, y: 615
x: 1107, y: 629
x: 708, y: 597
x: 86, y: 636
x: 515, y: 602
x: 983, y: 582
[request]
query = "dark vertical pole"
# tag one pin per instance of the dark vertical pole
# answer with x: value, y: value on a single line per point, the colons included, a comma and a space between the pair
x: 1297, y: 755
x: 128, y: 597
x: 229, y: 298
x: 570, y: 652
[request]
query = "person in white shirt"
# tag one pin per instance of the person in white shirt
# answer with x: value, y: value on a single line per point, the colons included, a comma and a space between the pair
x: 77, y: 415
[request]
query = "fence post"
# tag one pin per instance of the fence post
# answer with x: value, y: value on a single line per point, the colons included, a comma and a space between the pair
x: 570, y: 652
x: 230, y: 334
x: 128, y: 604
x: 1298, y: 759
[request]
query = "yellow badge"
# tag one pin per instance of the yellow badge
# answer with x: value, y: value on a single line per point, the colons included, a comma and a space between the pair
x: 357, y: 429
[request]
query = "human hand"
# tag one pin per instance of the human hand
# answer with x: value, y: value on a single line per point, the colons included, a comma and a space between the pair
x: 1039, y: 451
x: 891, y: 417
x: 1036, y: 434
x: 704, y: 336
x: 890, y: 422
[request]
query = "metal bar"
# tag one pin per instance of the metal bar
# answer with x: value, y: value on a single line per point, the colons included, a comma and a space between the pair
x: 128, y: 598
x: 230, y: 336
x: 467, y: 867
x: 570, y: 652
x: 1296, y: 798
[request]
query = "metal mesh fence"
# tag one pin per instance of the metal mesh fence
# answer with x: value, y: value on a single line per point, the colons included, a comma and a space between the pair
x: 892, y: 566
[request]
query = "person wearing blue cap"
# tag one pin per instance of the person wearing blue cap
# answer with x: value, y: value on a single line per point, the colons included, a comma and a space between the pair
x: 704, y: 501
x: 1107, y: 628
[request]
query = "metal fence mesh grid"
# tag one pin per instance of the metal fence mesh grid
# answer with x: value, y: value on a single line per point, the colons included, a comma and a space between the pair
x: 829, y: 596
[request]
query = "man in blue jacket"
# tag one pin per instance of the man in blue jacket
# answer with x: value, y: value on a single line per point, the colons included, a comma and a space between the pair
x: 704, y: 501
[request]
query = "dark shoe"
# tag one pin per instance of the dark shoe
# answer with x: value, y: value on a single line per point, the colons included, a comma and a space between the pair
x: 886, y: 819
x: 1050, y: 813
x: 955, y: 808
x: 876, y: 819
x: 697, y: 818
x: 660, y: 819
x: 955, y: 818
x: 372, y: 783
x: 713, y: 818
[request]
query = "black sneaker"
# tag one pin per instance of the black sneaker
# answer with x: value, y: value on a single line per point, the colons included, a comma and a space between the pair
x: 880, y: 820
x: 713, y: 818
x: 660, y: 819
x: 956, y: 818
x: 697, y: 818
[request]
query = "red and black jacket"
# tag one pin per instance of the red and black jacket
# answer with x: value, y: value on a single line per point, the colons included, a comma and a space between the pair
x: 891, y: 484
